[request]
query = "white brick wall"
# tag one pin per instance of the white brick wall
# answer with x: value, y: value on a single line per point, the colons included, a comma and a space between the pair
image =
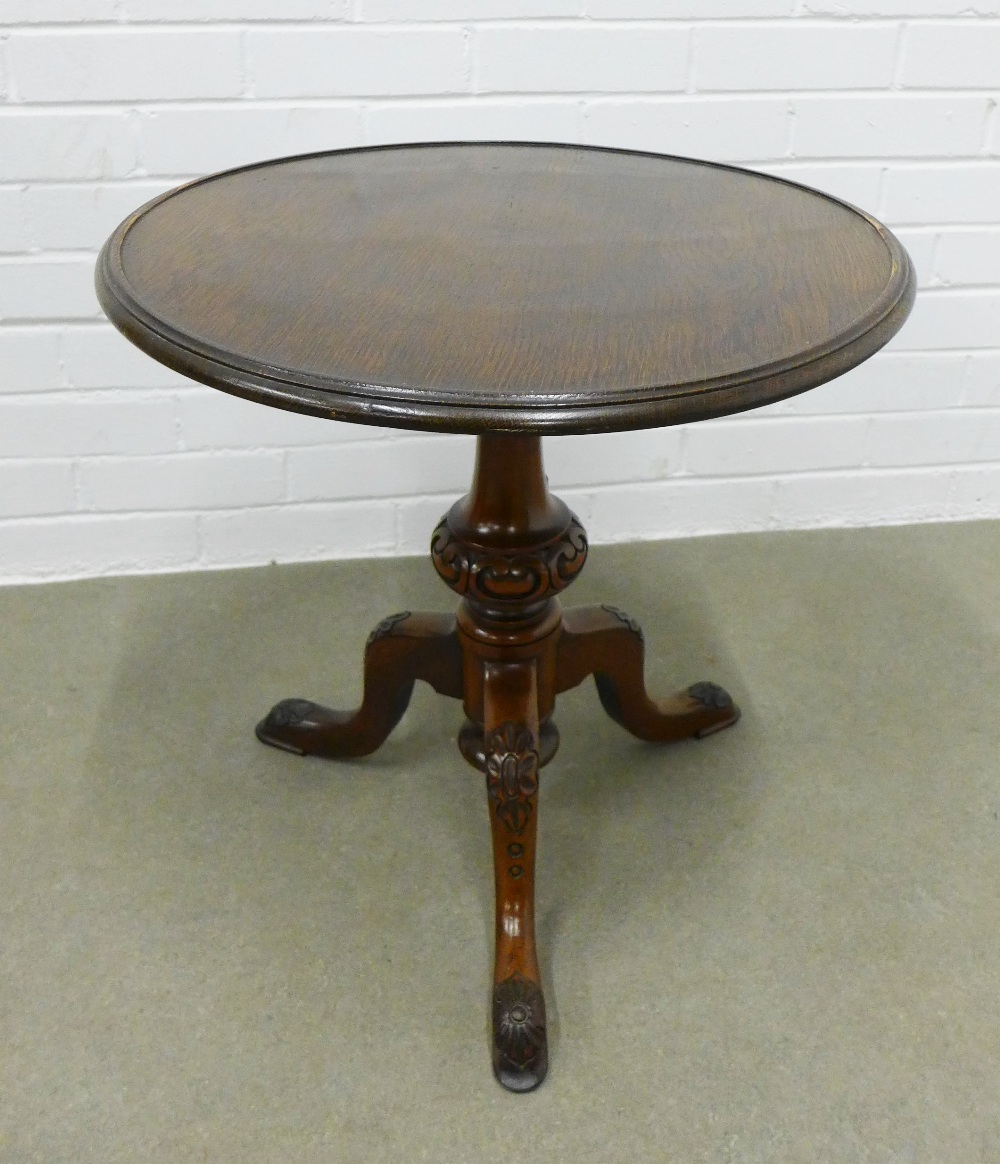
x: 111, y: 463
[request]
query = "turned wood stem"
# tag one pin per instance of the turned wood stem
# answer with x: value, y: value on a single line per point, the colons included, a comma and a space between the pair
x: 509, y: 505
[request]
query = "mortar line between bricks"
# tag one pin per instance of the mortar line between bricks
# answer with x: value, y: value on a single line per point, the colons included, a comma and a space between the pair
x: 123, y: 22
x: 288, y: 102
x: 989, y: 128
x: 689, y: 62
x: 127, y: 25
x: 675, y: 94
x: 782, y: 165
x: 902, y: 39
x: 842, y: 473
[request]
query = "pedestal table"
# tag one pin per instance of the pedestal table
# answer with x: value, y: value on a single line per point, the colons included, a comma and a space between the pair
x: 506, y: 290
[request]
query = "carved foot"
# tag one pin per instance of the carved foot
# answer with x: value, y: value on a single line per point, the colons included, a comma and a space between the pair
x: 604, y: 642
x: 401, y: 649
x: 520, y: 1049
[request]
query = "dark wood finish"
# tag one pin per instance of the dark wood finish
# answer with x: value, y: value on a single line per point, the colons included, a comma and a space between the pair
x: 510, y: 701
x: 520, y: 287
x: 604, y: 642
x: 403, y: 648
x: 509, y: 548
x: 505, y: 290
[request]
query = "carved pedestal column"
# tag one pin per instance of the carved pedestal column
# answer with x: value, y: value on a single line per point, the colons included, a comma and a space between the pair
x: 508, y: 548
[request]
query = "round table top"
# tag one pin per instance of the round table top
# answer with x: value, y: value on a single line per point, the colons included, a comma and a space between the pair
x: 504, y: 286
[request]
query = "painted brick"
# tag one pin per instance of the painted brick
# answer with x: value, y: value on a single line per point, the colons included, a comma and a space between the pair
x: 888, y: 382
x: 349, y: 62
x: 100, y: 357
x: 943, y: 193
x: 202, y: 141
x: 952, y: 56
x: 969, y: 257
x: 858, y: 184
x: 968, y: 8
x: 468, y: 9
x: 686, y: 9
x: 814, y: 501
x: 238, y: 10
x: 921, y: 245
x: 720, y: 129
x: 573, y: 59
x: 294, y: 533
x: 794, y: 56
x: 396, y: 468
x: 894, y: 125
x: 920, y: 439
x: 687, y: 508
x: 215, y: 420
x: 86, y: 545
x: 951, y: 319
x: 33, y: 288
x: 982, y: 379
x: 29, y: 360
x: 182, y: 481
x: 988, y: 424
x: 65, y: 426
x: 482, y: 119
x: 608, y: 458
x: 81, y: 216
x: 125, y: 65
x: 32, y: 488
x: 14, y: 234
x: 50, y: 145
x: 742, y: 447
x: 84, y: 415
x: 51, y: 11
x: 975, y: 492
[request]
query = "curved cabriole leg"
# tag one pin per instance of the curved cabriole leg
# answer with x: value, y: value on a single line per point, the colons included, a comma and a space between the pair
x: 403, y: 648
x: 520, y: 1049
x: 604, y: 642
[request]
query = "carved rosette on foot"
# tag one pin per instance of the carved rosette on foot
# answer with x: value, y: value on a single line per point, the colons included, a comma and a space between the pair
x: 520, y: 1046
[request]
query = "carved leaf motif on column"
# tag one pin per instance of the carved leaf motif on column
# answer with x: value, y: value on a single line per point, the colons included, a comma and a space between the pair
x: 512, y: 774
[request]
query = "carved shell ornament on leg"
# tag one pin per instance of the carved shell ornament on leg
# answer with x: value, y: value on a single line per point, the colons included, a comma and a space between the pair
x: 512, y: 774
x: 622, y: 617
x: 386, y: 625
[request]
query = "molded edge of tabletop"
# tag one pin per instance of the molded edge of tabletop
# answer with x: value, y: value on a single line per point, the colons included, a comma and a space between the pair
x: 571, y: 412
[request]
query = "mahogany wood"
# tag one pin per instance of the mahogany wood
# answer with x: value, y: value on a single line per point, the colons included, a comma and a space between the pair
x: 507, y: 290
x: 403, y: 648
x: 509, y: 548
x: 511, y: 286
x: 520, y: 1047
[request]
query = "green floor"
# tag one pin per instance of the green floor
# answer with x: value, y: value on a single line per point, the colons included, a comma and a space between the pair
x: 779, y: 944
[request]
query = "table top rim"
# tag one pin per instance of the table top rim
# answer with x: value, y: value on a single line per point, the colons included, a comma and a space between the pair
x: 449, y: 410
